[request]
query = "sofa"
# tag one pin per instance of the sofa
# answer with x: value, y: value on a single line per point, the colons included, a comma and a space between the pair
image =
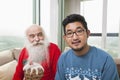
x: 8, y: 62
x: 117, y: 61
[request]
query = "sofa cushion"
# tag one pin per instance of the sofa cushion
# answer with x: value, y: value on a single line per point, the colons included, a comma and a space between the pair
x: 5, y: 57
x: 7, y: 70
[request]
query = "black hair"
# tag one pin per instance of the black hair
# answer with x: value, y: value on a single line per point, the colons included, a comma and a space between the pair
x: 74, y: 18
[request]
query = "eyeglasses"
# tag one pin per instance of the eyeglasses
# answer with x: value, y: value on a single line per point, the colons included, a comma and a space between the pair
x: 78, y: 32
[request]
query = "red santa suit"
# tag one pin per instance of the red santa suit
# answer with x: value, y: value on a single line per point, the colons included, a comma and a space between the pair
x: 49, y: 68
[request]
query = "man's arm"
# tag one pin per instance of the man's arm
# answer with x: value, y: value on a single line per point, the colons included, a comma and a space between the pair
x: 54, y: 56
x: 60, y: 69
x: 19, y: 74
x: 110, y: 70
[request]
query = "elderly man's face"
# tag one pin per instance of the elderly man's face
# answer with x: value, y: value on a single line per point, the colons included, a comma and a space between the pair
x: 36, y: 44
x: 35, y: 36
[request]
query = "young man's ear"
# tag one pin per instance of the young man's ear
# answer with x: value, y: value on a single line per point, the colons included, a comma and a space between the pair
x: 88, y: 33
x: 64, y: 37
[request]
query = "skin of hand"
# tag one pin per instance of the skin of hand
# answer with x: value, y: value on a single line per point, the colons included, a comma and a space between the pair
x: 33, y: 71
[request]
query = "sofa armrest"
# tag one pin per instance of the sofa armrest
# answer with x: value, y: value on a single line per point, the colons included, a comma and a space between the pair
x: 5, y: 57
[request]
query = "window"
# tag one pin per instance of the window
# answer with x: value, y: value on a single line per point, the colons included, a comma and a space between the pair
x: 92, y: 11
x: 103, y: 20
x: 15, y: 16
x: 113, y: 25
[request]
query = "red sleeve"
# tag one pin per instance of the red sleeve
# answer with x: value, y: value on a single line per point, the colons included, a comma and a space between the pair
x: 54, y: 55
x: 19, y: 74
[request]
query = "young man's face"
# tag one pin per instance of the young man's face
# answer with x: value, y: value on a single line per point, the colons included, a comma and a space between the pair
x: 76, y: 35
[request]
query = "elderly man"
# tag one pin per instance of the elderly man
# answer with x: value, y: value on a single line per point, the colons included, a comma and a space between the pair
x: 38, y: 59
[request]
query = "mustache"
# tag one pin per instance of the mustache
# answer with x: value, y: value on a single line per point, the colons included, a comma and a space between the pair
x: 41, y: 42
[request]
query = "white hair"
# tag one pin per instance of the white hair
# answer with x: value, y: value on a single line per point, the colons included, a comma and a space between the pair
x: 40, y: 52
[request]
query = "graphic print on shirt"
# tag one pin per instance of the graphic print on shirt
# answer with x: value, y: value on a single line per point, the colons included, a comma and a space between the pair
x: 74, y: 73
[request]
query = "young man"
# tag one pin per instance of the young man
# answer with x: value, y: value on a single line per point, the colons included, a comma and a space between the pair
x: 82, y: 61
x: 38, y: 60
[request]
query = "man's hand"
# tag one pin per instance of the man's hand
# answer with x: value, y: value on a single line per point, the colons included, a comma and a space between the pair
x: 33, y: 71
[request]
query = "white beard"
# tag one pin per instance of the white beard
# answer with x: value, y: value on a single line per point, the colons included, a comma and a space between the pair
x: 37, y: 53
